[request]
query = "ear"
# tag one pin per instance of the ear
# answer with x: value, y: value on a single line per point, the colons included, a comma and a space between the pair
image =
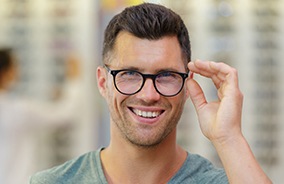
x: 102, y: 80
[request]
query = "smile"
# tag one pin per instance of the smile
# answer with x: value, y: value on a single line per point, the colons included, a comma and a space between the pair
x: 147, y: 114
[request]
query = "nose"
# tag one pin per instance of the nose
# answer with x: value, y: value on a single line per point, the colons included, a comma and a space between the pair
x: 148, y: 92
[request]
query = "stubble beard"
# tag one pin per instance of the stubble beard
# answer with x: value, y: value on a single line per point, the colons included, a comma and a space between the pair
x: 143, y: 136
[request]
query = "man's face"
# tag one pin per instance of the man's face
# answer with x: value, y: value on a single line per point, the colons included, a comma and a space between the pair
x: 145, y: 118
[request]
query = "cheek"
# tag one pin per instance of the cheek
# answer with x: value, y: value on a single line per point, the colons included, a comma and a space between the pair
x: 110, y: 92
x: 183, y: 95
x: 115, y: 101
x: 178, y: 103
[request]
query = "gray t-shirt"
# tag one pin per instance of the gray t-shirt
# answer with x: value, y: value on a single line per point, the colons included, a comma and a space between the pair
x: 87, y: 169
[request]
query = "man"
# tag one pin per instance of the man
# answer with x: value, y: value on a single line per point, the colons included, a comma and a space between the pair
x: 23, y: 119
x: 7, y: 68
x: 145, y: 83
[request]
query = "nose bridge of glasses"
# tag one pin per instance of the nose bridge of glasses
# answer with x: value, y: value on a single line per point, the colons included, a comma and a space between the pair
x: 152, y: 78
x: 149, y: 76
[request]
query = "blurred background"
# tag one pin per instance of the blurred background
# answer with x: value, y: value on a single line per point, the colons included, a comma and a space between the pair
x: 47, y: 35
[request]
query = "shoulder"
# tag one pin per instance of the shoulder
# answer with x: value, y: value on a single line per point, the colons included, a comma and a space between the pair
x: 82, y: 169
x: 197, y: 169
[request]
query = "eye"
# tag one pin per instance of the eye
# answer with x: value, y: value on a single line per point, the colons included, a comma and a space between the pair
x: 166, y: 75
x: 129, y: 73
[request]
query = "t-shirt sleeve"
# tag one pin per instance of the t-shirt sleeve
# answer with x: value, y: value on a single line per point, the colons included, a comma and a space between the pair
x: 42, y: 178
x: 85, y: 169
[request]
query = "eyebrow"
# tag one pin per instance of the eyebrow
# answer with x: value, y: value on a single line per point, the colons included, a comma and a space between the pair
x: 156, y: 71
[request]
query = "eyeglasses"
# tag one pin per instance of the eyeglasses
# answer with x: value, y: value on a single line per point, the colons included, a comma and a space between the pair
x: 130, y: 82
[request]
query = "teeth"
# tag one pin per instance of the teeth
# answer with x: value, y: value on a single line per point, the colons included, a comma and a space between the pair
x: 146, y: 114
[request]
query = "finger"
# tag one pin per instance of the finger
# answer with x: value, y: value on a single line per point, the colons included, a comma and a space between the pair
x: 203, y: 68
x: 196, y: 94
x: 225, y: 73
x: 220, y: 69
x: 200, y: 67
x: 209, y: 68
x: 218, y: 72
x: 217, y: 82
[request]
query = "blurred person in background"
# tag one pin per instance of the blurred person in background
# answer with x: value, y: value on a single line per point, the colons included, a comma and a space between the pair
x: 22, y: 120
x: 145, y: 80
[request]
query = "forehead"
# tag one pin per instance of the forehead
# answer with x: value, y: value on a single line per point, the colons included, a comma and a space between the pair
x: 131, y: 51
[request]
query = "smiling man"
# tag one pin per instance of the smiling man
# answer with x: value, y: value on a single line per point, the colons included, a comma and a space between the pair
x: 142, y: 115
x: 146, y: 79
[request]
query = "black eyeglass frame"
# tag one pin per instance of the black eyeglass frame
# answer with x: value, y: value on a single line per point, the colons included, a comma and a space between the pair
x: 146, y: 76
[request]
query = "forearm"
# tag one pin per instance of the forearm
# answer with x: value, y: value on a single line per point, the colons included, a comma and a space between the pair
x: 239, y: 162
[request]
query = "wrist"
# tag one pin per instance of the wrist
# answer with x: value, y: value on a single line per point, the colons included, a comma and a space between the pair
x: 229, y: 140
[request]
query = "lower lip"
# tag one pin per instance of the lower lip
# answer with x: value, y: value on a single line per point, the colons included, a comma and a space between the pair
x: 142, y: 120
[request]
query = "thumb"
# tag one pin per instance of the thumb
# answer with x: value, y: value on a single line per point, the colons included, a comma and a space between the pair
x: 196, y: 94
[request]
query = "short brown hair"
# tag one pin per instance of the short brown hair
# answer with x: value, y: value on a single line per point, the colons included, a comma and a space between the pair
x: 149, y: 21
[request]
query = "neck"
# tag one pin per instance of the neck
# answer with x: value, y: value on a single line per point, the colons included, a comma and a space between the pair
x: 127, y: 163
